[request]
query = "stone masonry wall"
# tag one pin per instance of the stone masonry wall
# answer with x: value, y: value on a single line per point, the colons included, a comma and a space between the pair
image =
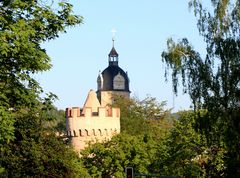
x: 91, y: 126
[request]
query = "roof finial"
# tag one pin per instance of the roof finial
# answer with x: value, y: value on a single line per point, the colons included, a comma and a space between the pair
x: 113, y: 35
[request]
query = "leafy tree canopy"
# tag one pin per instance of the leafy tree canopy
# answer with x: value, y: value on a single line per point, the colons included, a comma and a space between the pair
x: 186, y: 152
x: 139, y: 117
x: 144, y: 126
x: 213, y: 82
x: 112, y: 157
x: 24, y: 26
x: 26, y: 147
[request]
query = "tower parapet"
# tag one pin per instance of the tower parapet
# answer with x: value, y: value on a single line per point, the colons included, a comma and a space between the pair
x: 92, y: 123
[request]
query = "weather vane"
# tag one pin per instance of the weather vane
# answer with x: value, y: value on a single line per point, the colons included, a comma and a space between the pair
x: 113, y: 34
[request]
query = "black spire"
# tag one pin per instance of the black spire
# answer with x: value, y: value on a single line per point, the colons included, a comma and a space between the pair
x: 113, y: 56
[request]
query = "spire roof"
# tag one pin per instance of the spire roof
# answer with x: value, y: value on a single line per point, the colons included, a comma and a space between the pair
x: 113, y: 56
x: 113, y: 52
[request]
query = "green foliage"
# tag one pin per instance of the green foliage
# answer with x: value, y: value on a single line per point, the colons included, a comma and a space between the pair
x: 155, y: 145
x: 144, y: 126
x: 57, y: 122
x: 37, y: 151
x: 26, y: 148
x: 220, y: 21
x: 213, y: 82
x: 6, y: 127
x: 186, y: 153
x: 141, y: 117
x: 47, y: 157
x: 24, y: 26
x: 111, y: 158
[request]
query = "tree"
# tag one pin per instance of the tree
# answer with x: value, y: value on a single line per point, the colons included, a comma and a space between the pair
x: 213, y: 82
x: 144, y: 125
x: 46, y: 157
x: 112, y: 157
x: 186, y: 153
x: 36, y: 151
x: 24, y: 26
x: 139, y: 117
x: 57, y: 121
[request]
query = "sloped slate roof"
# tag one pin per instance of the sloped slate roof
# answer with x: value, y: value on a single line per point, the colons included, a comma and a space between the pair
x: 108, y: 75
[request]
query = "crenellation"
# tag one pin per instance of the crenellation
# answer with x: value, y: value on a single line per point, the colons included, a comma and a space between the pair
x: 88, y: 112
x: 68, y: 112
x: 92, y: 123
x: 102, y: 112
x: 76, y: 112
x: 73, y: 112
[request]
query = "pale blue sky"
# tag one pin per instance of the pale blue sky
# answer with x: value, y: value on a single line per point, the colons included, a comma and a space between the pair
x: 142, y: 26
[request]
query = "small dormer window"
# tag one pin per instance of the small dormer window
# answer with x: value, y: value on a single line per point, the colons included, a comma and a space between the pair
x: 119, y: 82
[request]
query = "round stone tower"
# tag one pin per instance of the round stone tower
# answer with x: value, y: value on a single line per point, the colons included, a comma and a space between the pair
x: 93, y: 123
x: 112, y: 81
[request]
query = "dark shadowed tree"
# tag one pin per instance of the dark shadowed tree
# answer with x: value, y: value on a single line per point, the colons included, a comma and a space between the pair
x: 213, y: 81
x: 186, y: 152
x: 24, y: 26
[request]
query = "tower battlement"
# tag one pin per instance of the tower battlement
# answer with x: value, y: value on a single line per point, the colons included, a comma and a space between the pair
x: 91, y: 123
x: 105, y: 122
x: 102, y: 112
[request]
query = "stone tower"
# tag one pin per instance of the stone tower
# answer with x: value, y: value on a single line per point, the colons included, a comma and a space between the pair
x: 97, y: 121
x: 91, y: 123
x: 112, y: 81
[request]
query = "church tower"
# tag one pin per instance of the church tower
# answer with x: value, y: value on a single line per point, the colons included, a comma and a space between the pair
x: 112, y: 81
